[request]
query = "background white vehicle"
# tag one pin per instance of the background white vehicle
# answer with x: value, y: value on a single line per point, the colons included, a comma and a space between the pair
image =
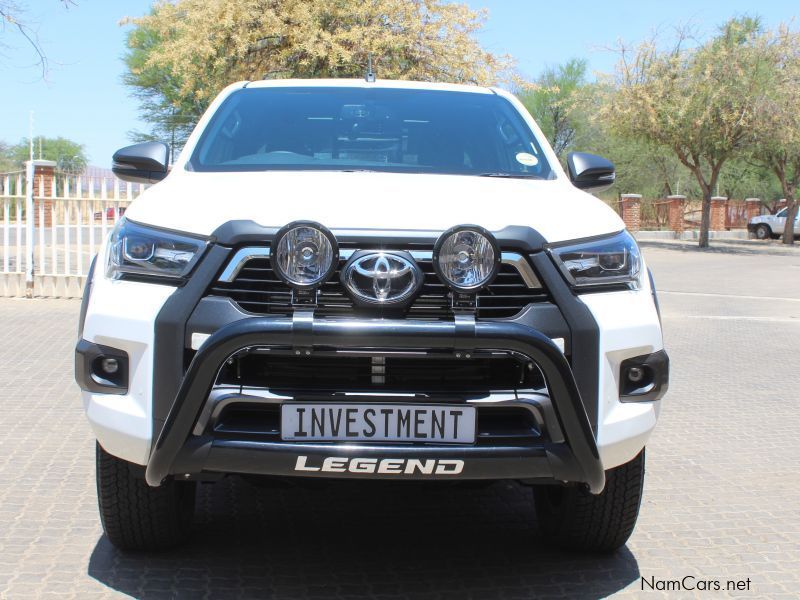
x: 381, y: 280
x: 765, y: 227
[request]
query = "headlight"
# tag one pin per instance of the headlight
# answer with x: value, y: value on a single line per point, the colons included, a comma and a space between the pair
x: 142, y: 251
x: 305, y: 254
x: 612, y: 260
x: 466, y: 257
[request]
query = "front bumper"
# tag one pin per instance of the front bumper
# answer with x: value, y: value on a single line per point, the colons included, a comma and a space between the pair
x: 155, y: 324
x: 571, y: 455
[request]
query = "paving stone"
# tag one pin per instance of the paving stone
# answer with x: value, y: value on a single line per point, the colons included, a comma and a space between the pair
x: 720, y: 502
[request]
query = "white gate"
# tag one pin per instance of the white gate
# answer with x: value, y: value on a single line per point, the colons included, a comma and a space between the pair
x: 52, y: 226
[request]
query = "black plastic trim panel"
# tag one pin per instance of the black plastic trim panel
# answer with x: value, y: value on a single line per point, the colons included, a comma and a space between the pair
x: 584, y: 334
x: 86, y: 353
x: 234, y: 233
x: 655, y: 383
x: 170, y: 327
x: 578, y: 454
x: 214, y: 312
x: 172, y: 335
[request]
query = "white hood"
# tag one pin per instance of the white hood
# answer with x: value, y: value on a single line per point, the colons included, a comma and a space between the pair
x: 201, y: 202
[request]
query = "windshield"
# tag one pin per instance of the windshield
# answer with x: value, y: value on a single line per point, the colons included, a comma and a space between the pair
x: 379, y: 129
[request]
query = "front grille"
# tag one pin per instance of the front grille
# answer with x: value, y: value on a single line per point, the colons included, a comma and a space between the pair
x: 331, y: 373
x: 257, y: 289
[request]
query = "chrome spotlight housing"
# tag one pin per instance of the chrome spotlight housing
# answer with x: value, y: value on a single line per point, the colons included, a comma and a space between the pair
x: 466, y: 258
x: 304, y: 254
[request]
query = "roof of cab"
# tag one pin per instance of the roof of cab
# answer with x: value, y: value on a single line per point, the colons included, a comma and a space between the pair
x: 380, y: 83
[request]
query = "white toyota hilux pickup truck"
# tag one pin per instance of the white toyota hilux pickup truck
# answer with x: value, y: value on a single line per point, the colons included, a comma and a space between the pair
x: 375, y: 280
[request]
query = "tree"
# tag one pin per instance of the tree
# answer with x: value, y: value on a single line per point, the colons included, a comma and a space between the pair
x: 697, y: 102
x: 69, y: 156
x: 12, y: 17
x: 170, y: 113
x: 6, y: 163
x: 551, y: 100
x: 775, y: 139
x: 744, y: 177
x: 184, y: 52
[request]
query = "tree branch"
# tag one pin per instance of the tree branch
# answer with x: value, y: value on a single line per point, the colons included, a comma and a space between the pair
x: 10, y: 13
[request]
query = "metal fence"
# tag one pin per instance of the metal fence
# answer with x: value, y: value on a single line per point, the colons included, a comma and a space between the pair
x: 52, y: 226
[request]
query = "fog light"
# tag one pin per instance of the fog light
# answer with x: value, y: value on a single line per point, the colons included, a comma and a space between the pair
x: 636, y: 374
x: 109, y: 365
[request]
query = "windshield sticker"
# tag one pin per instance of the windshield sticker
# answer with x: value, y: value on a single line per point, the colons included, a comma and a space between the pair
x: 529, y: 160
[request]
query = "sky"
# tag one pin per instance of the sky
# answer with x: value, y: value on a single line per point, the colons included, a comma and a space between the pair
x: 83, y: 97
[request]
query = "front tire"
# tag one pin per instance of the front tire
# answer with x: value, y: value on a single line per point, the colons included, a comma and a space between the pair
x: 574, y: 519
x: 763, y: 232
x: 136, y: 516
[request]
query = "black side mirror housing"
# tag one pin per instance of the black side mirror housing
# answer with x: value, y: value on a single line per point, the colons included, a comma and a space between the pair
x: 590, y: 172
x: 142, y: 163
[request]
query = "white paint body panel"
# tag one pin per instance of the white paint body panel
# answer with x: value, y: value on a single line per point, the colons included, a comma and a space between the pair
x: 201, y: 202
x: 121, y: 314
x: 629, y: 326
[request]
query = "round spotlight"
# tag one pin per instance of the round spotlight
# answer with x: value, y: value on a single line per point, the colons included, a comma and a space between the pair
x: 466, y: 257
x: 110, y: 365
x: 635, y: 374
x: 304, y: 254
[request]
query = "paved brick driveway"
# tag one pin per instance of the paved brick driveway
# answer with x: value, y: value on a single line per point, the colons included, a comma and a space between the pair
x: 721, y: 498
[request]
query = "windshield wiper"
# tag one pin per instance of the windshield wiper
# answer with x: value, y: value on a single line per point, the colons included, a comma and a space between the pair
x: 510, y: 175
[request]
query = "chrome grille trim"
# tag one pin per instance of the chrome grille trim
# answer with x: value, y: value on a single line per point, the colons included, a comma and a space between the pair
x: 244, y: 255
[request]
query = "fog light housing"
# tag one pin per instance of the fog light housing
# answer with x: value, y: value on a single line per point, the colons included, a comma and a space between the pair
x: 304, y: 254
x: 101, y: 369
x: 644, y: 378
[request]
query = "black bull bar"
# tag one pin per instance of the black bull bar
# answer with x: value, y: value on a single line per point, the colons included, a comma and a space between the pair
x: 576, y: 459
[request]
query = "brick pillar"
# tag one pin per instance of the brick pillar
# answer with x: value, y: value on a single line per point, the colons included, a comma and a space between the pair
x: 677, y: 204
x: 719, y: 210
x: 44, y: 177
x: 752, y: 208
x: 631, y: 208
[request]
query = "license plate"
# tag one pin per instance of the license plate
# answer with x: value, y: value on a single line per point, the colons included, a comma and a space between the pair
x: 453, y: 424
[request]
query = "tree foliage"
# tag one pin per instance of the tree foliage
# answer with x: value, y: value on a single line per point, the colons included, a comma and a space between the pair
x: 553, y: 101
x: 170, y: 113
x: 698, y: 102
x: 775, y: 132
x: 697, y: 117
x: 185, y: 51
x: 69, y: 156
x: 13, y: 19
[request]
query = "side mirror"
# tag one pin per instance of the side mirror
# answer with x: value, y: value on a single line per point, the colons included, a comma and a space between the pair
x: 142, y: 163
x: 590, y: 172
